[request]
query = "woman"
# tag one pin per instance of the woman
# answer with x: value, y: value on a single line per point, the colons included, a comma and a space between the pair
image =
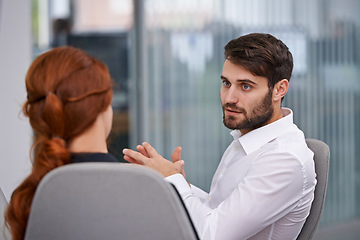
x: 68, y: 105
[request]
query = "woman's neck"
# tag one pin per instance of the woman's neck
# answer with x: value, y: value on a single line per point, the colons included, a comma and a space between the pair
x: 92, y: 140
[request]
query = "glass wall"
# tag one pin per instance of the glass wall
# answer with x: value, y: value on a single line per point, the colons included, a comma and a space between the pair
x: 177, y: 62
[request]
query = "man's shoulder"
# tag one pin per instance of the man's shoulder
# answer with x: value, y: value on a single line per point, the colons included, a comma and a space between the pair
x: 290, y: 144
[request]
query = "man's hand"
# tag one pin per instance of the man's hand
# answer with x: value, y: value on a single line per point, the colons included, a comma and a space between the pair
x: 147, y: 156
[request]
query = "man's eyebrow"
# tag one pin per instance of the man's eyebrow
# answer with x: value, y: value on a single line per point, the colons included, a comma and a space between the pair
x: 241, y: 80
x: 247, y: 81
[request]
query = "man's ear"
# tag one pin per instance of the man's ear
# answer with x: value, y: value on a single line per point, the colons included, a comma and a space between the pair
x: 280, y: 89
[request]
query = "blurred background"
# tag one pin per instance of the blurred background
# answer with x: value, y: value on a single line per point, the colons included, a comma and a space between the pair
x: 166, y: 60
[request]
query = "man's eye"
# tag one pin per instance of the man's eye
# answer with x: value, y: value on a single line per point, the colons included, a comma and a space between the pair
x: 246, y: 87
x: 226, y: 83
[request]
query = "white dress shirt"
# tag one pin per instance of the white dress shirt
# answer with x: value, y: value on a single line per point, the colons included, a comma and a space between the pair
x: 262, y: 189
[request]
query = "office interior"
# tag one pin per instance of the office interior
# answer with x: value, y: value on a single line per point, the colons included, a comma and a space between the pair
x: 166, y: 59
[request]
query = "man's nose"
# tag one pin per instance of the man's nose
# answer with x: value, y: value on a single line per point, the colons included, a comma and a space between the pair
x: 231, y: 96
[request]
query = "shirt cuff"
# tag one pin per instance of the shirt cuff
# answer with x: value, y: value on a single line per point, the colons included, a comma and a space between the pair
x: 180, y: 183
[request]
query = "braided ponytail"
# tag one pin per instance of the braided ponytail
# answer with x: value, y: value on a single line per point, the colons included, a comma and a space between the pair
x: 67, y: 89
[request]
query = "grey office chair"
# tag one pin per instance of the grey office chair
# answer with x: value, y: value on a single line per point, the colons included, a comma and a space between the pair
x: 3, y: 204
x: 321, y: 157
x: 91, y: 201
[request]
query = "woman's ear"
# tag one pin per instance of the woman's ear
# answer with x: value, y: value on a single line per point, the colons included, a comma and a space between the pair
x: 280, y: 89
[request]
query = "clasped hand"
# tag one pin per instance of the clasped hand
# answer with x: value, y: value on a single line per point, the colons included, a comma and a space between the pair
x: 148, y: 156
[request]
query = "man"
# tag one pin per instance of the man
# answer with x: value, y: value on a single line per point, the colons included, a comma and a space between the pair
x: 264, y: 185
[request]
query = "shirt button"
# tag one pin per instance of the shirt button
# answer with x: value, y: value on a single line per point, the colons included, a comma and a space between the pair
x: 208, y: 198
x: 236, y: 148
x: 221, y: 173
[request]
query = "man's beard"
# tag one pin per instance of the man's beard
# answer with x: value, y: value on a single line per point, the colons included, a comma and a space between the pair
x: 260, y: 115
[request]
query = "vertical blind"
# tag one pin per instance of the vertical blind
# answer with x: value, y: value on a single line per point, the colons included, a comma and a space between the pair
x: 175, y: 97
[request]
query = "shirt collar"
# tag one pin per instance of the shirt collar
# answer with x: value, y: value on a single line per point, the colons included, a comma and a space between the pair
x: 257, y: 138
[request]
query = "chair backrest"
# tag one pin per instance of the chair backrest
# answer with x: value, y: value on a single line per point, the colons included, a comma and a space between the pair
x: 3, y: 205
x: 321, y: 157
x: 88, y: 201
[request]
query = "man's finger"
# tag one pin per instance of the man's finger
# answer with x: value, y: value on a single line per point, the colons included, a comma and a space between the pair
x: 134, y: 157
x: 142, y: 150
x: 176, y: 156
x: 150, y: 150
x: 179, y: 165
x: 131, y: 160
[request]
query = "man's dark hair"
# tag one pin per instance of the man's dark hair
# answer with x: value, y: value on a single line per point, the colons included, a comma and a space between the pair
x: 263, y: 55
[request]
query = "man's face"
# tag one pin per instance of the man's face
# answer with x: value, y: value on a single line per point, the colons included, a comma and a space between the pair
x: 246, y: 99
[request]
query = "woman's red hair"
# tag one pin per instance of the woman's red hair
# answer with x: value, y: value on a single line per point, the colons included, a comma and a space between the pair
x: 67, y: 89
